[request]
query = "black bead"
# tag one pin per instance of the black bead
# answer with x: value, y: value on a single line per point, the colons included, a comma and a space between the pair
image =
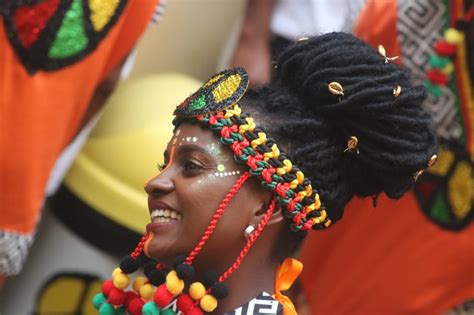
x: 149, y: 267
x: 129, y: 265
x: 210, y: 277
x: 179, y: 260
x: 185, y: 271
x: 156, y: 277
x: 219, y: 290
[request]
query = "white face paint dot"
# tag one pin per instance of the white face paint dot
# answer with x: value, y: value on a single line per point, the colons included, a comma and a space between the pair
x: 220, y: 167
x: 188, y: 139
x: 195, y: 139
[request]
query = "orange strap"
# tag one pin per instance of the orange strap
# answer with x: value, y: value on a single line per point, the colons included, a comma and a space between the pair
x: 286, y: 274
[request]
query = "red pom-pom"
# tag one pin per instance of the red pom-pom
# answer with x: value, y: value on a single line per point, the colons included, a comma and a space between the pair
x: 445, y: 49
x: 162, y: 296
x: 194, y: 311
x: 184, y: 302
x: 130, y: 295
x: 437, y: 77
x: 135, y: 306
x: 116, y: 297
x: 107, y: 286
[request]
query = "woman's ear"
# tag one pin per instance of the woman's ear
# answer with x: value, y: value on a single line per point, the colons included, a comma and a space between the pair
x: 259, y: 212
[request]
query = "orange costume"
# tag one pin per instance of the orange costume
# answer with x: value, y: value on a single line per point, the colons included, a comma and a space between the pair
x: 53, y: 55
x: 414, y: 255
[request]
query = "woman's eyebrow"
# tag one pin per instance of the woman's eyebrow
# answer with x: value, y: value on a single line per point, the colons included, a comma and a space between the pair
x: 188, y: 148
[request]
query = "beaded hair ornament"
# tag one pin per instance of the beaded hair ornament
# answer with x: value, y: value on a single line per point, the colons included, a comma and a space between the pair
x: 164, y: 290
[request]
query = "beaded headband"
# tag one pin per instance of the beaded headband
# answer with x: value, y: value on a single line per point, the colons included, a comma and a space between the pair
x: 215, y: 105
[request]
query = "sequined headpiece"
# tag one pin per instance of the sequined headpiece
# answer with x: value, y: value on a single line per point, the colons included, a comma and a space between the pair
x: 215, y: 105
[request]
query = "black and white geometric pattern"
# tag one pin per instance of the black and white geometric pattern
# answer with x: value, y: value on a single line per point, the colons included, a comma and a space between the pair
x: 420, y: 24
x: 262, y: 304
x: 13, y: 252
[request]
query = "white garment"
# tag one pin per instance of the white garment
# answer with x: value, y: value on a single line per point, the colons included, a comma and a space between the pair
x: 294, y: 19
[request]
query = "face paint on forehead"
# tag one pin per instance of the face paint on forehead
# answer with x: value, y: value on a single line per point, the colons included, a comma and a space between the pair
x: 215, y: 150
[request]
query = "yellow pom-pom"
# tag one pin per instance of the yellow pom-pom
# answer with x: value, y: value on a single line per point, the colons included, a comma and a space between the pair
x: 208, y: 303
x: 174, y: 285
x: 121, y: 281
x: 146, y: 291
x: 448, y: 69
x: 171, y: 275
x: 138, y: 283
x: 117, y: 271
x: 453, y: 36
x: 197, y: 290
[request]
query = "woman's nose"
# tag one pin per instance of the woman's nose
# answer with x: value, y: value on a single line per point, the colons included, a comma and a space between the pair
x: 160, y: 184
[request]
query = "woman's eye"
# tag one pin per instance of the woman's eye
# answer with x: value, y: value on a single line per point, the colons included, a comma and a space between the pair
x: 191, y: 166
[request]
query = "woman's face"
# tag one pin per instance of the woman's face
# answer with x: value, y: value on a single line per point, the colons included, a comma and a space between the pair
x: 198, y: 173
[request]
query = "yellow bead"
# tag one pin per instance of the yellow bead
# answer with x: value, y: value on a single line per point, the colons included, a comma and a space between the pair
x: 146, y: 291
x: 121, y: 281
x: 116, y: 271
x: 448, y: 69
x: 138, y: 283
x: 171, y: 275
x: 208, y: 303
x: 453, y: 36
x: 197, y: 290
x: 174, y: 285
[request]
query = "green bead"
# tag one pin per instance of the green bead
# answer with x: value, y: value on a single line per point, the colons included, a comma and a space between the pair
x: 439, y: 62
x: 98, y: 300
x: 71, y: 36
x: 198, y: 103
x: 107, y: 309
x: 150, y: 308
x: 167, y: 312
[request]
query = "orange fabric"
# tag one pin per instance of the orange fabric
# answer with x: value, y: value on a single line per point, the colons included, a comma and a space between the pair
x: 39, y: 114
x: 387, y: 260
x: 286, y: 274
x: 376, y: 24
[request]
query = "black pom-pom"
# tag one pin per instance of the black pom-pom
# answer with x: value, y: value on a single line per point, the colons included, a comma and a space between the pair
x: 219, y: 290
x: 156, y: 277
x: 210, y: 277
x: 179, y: 260
x: 149, y: 267
x: 185, y: 271
x: 129, y: 265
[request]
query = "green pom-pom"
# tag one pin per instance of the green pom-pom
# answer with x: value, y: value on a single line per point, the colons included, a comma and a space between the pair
x: 439, y: 62
x: 150, y: 308
x: 98, y: 300
x: 433, y: 89
x: 121, y: 311
x: 168, y: 312
x: 107, y: 309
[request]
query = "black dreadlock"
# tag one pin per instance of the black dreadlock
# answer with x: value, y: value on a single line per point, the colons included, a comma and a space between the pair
x: 313, y: 125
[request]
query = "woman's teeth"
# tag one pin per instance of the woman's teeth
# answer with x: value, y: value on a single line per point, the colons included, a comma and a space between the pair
x: 164, y: 215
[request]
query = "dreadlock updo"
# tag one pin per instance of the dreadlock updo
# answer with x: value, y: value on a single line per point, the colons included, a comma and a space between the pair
x: 313, y: 126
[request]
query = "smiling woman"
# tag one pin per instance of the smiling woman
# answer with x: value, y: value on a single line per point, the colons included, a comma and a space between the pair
x: 239, y: 190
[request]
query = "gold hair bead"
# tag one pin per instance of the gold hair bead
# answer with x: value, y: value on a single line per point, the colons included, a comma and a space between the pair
x: 432, y: 160
x: 417, y: 174
x: 336, y: 88
x: 384, y: 54
x: 352, y: 144
x: 397, y: 90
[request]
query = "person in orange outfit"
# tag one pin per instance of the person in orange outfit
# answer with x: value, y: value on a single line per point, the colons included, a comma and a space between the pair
x: 57, y: 57
x: 420, y: 261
